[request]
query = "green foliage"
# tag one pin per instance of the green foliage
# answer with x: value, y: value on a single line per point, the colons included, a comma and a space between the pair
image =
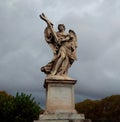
x: 111, y: 106
x: 6, y: 107
x: 105, y: 110
x: 21, y: 108
x: 89, y: 107
x: 26, y: 108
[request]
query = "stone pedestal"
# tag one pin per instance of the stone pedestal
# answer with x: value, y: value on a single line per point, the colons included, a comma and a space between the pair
x: 60, y: 105
x: 60, y: 96
x: 61, y: 117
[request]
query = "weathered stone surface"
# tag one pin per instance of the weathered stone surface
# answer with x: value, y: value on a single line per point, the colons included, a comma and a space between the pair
x: 60, y: 106
x: 64, y: 47
x: 60, y: 96
x: 63, y: 116
x: 67, y: 120
x: 82, y: 120
x: 52, y: 121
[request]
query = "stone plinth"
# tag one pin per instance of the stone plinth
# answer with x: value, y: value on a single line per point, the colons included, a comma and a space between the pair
x: 60, y: 96
x: 61, y: 117
x: 60, y: 105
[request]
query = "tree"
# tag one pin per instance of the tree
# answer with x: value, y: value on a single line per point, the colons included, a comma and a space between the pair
x: 21, y: 108
x: 26, y: 109
x: 89, y: 107
x: 6, y: 107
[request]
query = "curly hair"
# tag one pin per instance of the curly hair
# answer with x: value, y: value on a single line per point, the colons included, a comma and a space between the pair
x: 61, y: 25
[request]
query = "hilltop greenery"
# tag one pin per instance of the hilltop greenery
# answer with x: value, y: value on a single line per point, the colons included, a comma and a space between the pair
x: 105, y: 110
x: 23, y: 108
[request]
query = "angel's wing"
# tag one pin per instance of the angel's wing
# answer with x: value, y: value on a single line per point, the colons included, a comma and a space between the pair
x: 73, y: 35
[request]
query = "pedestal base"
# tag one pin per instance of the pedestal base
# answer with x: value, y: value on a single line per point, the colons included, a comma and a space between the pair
x: 60, y: 96
x: 60, y: 106
x: 62, y: 118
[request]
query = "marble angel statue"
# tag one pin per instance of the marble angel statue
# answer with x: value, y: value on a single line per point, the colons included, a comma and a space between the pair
x: 63, y: 46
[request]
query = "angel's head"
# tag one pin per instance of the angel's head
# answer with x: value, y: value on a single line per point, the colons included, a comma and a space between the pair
x: 61, y: 27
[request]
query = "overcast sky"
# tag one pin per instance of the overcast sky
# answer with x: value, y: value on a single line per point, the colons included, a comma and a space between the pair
x: 23, y: 49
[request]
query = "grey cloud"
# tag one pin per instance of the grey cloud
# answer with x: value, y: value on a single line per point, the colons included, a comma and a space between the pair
x: 23, y: 49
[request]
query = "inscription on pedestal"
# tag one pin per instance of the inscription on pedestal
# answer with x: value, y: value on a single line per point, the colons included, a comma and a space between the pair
x: 60, y: 96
